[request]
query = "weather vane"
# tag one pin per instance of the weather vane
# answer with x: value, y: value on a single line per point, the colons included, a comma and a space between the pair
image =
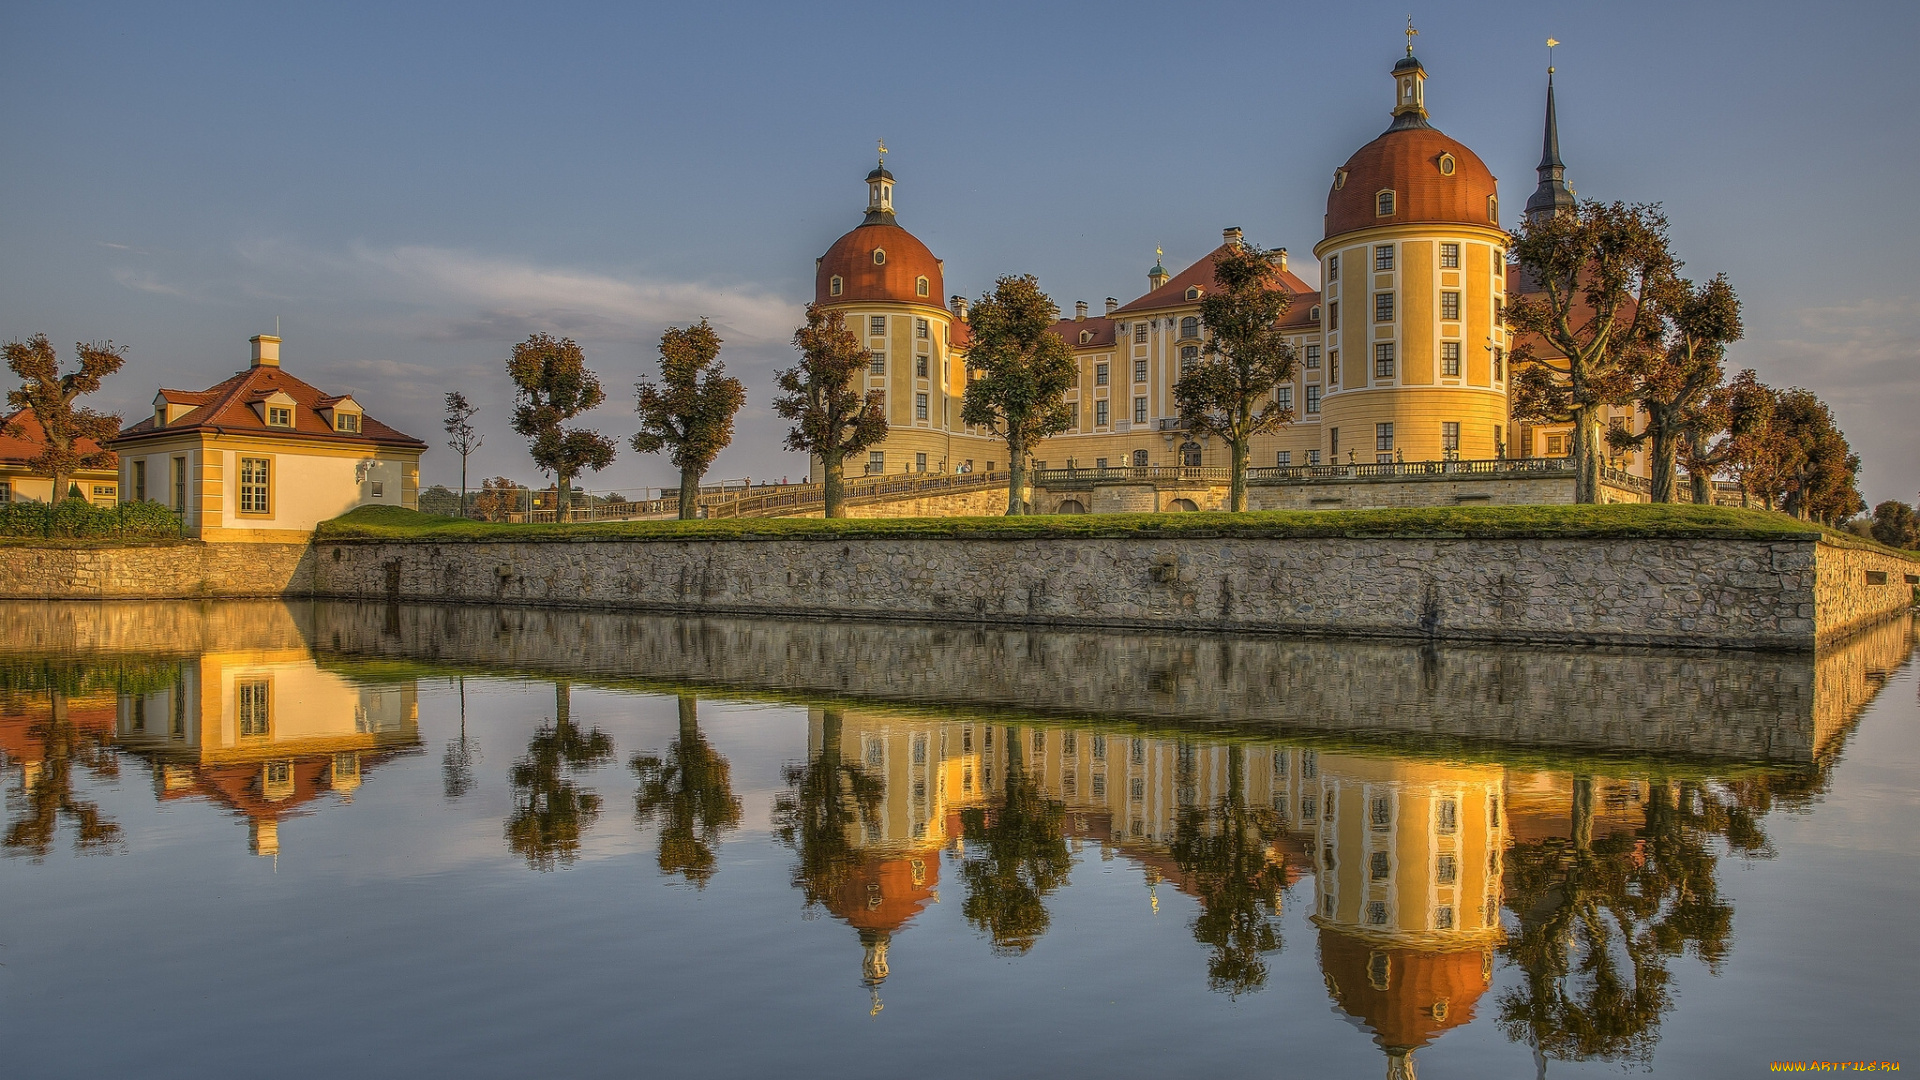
x: 883, y: 153
x: 1550, y: 46
x: 1411, y: 34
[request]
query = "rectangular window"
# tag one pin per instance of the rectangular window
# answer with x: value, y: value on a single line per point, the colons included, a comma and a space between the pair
x: 139, y: 481
x: 256, y: 491
x: 1383, y: 436
x: 1313, y: 457
x: 1380, y: 813
x: 1449, y: 256
x: 919, y: 463
x: 1189, y: 358
x: 1448, y: 870
x: 877, y: 324
x: 1450, y: 305
x: 1283, y: 396
x: 1333, y: 444
x: 920, y: 367
x: 1383, y: 307
x: 346, y: 421
x: 1313, y: 358
x: 1449, y: 816
x: 1313, y: 400
x: 919, y: 406
x: 1099, y: 374
x: 1283, y: 459
x: 1139, y: 371
x: 1556, y: 446
x: 6, y: 491
x: 1100, y: 413
x: 1101, y: 464
x: 1450, y: 359
x: 1333, y: 268
x: 1139, y: 410
x: 279, y: 416
x: 1499, y: 363
x: 877, y: 365
x: 1139, y: 333
x: 1450, y: 436
x: 876, y: 462
x: 1333, y: 315
x: 180, y: 484
x: 1383, y: 360
x: 1383, y: 257
x: 1380, y: 867
x: 377, y: 488
x: 254, y: 698
x: 1376, y: 912
x: 921, y: 330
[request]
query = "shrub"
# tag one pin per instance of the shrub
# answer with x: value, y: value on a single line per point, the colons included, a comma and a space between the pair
x: 77, y: 519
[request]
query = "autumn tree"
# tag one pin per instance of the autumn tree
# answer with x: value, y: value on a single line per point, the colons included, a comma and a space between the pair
x: 462, y: 438
x: 1594, y: 271
x: 831, y: 419
x: 1896, y: 525
x: 690, y: 414
x: 52, y: 397
x: 689, y: 789
x: 1226, y: 852
x: 1801, y: 462
x: 1672, y: 380
x: 551, y: 386
x: 1230, y: 392
x: 1723, y: 431
x: 826, y: 799
x: 1019, y: 374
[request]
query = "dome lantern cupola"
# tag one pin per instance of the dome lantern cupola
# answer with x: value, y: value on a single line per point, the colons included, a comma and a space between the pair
x: 1409, y: 88
x: 880, y: 192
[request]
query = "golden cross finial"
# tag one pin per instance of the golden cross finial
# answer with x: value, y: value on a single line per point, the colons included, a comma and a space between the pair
x: 1411, y: 34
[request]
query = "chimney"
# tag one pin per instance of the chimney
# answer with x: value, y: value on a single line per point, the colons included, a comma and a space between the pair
x: 1079, y: 311
x: 266, y: 350
x: 1283, y: 260
x: 958, y: 305
x: 1232, y: 235
x: 1112, y: 305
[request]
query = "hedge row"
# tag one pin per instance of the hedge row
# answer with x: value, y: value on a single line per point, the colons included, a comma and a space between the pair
x: 77, y: 519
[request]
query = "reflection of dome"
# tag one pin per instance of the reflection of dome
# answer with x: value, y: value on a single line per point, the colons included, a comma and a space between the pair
x: 1434, y: 179
x: 878, y: 898
x: 1405, y: 997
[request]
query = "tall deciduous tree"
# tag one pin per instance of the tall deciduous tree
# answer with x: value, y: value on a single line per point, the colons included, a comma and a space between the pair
x: 1017, y: 855
x: 1227, y: 852
x: 1595, y: 269
x: 831, y: 420
x: 1021, y: 372
x: 1230, y: 392
x: 52, y: 398
x: 1896, y: 525
x: 1671, y: 383
x: 1722, y: 432
x: 462, y: 439
x: 690, y: 414
x: 552, y: 385
x: 1803, y: 463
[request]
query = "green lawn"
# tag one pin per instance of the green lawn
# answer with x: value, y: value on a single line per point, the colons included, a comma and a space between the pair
x: 1626, y: 520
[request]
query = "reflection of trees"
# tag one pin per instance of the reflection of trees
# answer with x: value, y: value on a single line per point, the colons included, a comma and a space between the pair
x: 824, y: 800
x: 463, y: 753
x: 691, y: 792
x: 550, y: 811
x: 47, y: 798
x: 1017, y: 854
x: 1600, y: 918
x: 1225, y: 851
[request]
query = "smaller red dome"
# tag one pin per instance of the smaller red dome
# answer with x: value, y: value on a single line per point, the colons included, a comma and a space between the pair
x: 896, y: 275
x: 1413, y: 163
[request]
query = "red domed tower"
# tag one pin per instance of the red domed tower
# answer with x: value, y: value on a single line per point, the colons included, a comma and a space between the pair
x: 888, y: 286
x: 1413, y: 285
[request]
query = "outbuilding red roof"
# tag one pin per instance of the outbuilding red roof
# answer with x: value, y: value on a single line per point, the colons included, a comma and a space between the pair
x: 228, y: 408
x: 22, y: 438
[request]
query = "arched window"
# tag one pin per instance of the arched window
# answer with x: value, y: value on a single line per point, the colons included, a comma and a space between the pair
x: 836, y: 286
x: 1182, y: 506
x: 1315, y: 313
x: 1071, y: 506
x: 1190, y: 327
x: 879, y: 256
x: 1493, y: 209
x: 920, y: 286
x: 1339, y: 179
x: 1383, y: 204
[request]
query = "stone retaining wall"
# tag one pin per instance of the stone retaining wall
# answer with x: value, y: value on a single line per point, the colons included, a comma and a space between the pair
x: 1715, y: 593
x: 155, y: 571
x: 1857, y: 586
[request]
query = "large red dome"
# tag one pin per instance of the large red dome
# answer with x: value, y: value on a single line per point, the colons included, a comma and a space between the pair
x: 1412, y: 162
x: 896, y: 275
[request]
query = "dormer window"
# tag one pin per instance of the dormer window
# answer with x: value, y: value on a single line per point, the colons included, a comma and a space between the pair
x: 1314, y: 314
x: 1493, y: 209
x: 1383, y: 204
x: 879, y: 256
x: 279, y: 416
x: 1339, y: 179
x: 346, y: 421
x: 1086, y: 337
x: 1193, y: 292
x: 1446, y: 165
x: 835, y: 286
x: 920, y: 286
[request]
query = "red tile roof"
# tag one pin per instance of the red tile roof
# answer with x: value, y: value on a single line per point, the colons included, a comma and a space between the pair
x: 1069, y: 331
x: 18, y: 449
x: 1174, y: 292
x: 228, y: 408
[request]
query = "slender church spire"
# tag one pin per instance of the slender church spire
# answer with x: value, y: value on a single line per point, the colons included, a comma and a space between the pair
x: 1553, y: 196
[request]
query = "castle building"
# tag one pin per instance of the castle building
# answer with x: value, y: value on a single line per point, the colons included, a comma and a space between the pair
x: 1403, y: 351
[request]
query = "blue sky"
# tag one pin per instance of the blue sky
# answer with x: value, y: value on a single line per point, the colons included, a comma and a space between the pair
x: 411, y: 188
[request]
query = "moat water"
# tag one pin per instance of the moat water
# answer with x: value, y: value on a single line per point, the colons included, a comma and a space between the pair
x: 323, y: 839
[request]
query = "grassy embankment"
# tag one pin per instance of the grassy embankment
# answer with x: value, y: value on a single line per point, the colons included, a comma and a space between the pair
x: 393, y: 523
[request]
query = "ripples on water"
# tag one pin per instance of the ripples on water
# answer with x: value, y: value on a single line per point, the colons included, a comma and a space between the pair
x: 259, y: 838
